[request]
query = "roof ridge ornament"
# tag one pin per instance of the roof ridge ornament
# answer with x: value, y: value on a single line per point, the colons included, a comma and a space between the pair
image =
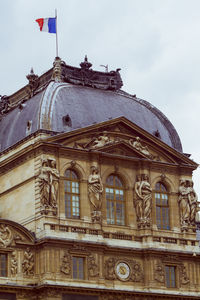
x: 57, y: 69
x: 33, y: 82
x: 85, y: 64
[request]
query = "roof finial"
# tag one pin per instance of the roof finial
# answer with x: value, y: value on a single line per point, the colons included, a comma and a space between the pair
x: 85, y: 65
x: 57, y: 70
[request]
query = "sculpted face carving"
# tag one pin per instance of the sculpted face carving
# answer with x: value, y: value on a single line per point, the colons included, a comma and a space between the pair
x: 13, y: 263
x: 143, y: 201
x: 187, y: 204
x: 48, y: 182
x: 95, y: 189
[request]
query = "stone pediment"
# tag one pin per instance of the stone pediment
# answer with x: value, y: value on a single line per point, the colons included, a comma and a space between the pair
x: 121, y: 136
x: 12, y: 234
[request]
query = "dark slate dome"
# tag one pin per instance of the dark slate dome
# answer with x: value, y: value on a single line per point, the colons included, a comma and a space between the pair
x: 65, y: 105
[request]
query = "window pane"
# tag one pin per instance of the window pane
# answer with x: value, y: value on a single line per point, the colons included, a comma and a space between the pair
x: 78, y: 268
x: 170, y: 275
x: 3, y: 265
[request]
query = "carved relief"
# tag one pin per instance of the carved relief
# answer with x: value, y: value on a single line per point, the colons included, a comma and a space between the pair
x: 139, y: 147
x: 13, y: 263
x: 159, y: 274
x: 143, y: 201
x: 137, y: 272
x: 126, y: 270
x: 93, y: 270
x: 28, y: 263
x: 6, y: 236
x: 48, y: 182
x: 66, y: 264
x: 184, y: 279
x: 95, y: 189
x: 110, y: 269
x: 187, y: 204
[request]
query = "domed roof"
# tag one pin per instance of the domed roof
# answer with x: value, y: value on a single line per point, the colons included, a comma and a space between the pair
x: 66, y: 106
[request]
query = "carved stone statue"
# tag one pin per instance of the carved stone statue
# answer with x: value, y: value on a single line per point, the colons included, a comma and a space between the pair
x: 159, y: 273
x: 4, y: 104
x: 138, y: 146
x: 101, y: 141
x: 57, y: 70
x: 66, y: 264
x: 6, y: 236
x: 110, y: 269
x: 28, y: 263
x: 13, y: 263
x: 187, y: 203
x: 143, y: 202
x: 93, y: 270
x: 48, y: 182
x: 95, y: 189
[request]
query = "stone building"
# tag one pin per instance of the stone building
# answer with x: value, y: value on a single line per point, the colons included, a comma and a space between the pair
x: 97, y: 199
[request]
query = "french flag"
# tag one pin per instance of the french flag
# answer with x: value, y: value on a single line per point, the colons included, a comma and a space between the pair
x: 47, y: 24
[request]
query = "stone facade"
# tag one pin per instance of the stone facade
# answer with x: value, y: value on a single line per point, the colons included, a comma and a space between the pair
x: 102, y: 212
x: 122, y: 261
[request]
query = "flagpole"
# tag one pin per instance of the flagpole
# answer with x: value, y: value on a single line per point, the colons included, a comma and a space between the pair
x: 56, y: 34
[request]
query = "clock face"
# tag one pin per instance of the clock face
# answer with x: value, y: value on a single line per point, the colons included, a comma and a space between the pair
x: 122, y: 270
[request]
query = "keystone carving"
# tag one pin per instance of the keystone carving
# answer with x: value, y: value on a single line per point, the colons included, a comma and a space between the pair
x: 48, y: 182
x: 28, y: 263
x: 95, y: 189
x: 187, y: 201
x: 143, y: 201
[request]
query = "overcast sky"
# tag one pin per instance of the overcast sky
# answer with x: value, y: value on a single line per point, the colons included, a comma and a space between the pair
x: 156, y: 43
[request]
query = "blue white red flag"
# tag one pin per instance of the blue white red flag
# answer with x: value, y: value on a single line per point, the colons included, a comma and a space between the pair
x: 47, y: 24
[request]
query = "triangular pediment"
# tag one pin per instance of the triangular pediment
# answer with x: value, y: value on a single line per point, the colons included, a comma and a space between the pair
x: 121, y: 137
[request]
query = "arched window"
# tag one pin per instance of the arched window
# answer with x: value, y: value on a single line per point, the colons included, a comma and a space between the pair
x: 72, y: 194
x: 162, y: 206
x: 115, y: 200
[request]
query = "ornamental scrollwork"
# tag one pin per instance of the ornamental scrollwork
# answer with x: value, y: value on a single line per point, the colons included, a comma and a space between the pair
x: 110, y: 269
x: 66, y: 264
x: 184, y: 279
x: 6, y: 236
x: 93, y: 269
x: 28, y: 263
x: 159, y: 274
